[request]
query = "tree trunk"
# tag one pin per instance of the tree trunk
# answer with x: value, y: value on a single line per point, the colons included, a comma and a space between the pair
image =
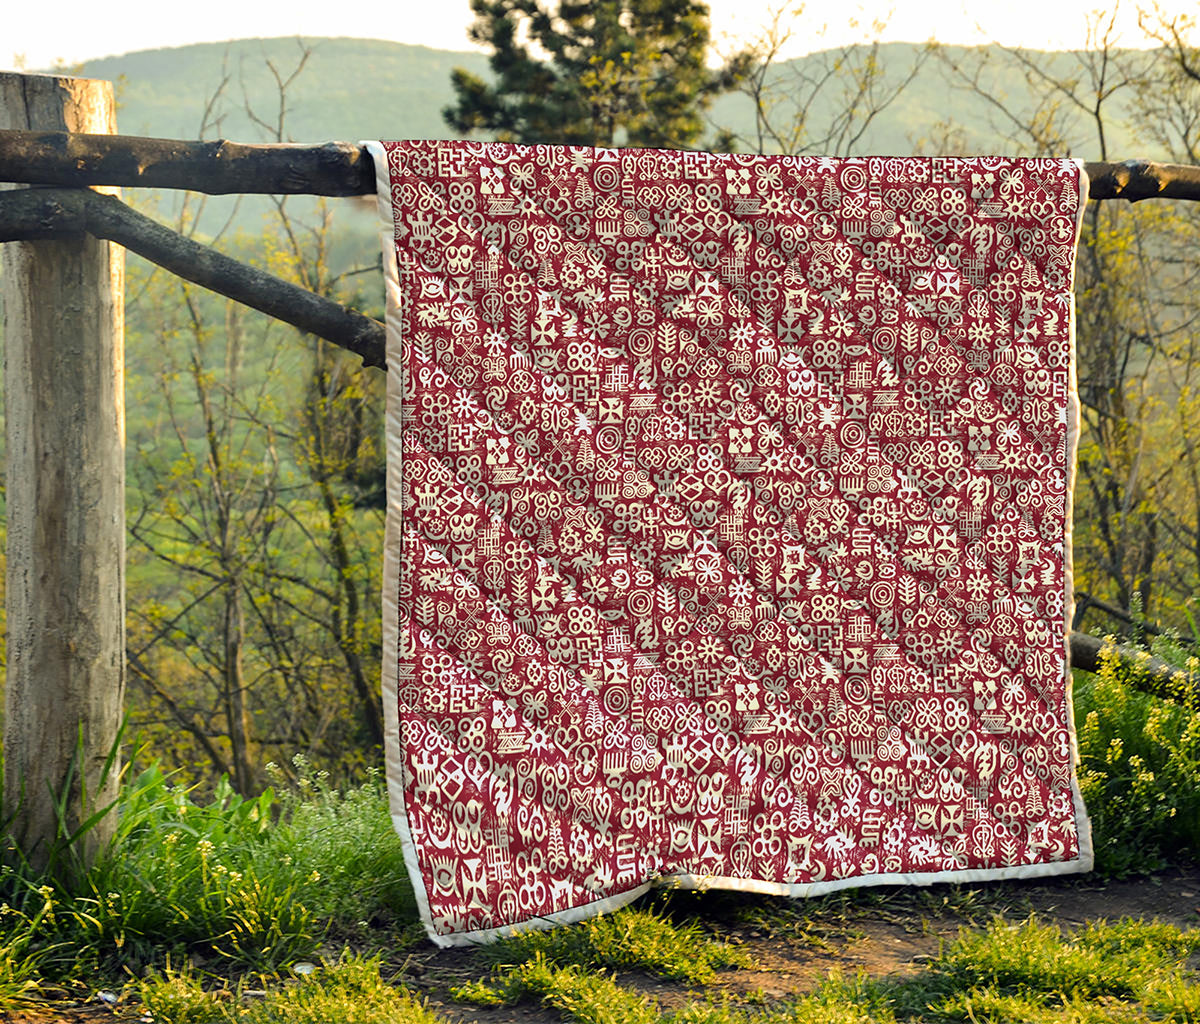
x: 237, y: 713
x: 65, y: 431
x: 347, y: 632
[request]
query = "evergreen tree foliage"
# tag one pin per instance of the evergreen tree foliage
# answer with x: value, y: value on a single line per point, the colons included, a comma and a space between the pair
x: 613, y: 72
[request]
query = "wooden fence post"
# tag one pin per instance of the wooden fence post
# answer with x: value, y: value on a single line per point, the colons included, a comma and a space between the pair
x: 65, y: 433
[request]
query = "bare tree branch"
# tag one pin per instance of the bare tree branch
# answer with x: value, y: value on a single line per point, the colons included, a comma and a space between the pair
x: 216, y: 168
x: 344, y: 169
x: 47, y: 213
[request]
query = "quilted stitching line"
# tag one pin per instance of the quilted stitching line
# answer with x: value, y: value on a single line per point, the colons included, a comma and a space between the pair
x: 1010, y: 664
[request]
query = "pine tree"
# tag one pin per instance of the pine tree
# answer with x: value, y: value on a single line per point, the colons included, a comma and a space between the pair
x: 617, y: 72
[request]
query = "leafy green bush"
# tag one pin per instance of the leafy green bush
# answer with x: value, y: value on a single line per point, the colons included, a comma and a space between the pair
x: 345, y: 837
x: 1139, y: 770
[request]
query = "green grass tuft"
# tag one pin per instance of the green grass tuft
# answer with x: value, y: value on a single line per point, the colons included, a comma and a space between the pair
x: 566, y: 968
x: 584, y: 996
x: 1030, y: 957
x: 632, y: 939
x: 995, y: 1008
x: 349, y: 991
x: 1033, y: 972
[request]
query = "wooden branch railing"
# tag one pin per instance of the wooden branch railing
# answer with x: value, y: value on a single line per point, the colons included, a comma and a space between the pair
x: 35, y: 213
x: 346, y: 169
x: 216, y: 168
x: 1142, y: 670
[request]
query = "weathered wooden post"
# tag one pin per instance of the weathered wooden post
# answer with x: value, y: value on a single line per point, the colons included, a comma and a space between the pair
x: 65, y: 429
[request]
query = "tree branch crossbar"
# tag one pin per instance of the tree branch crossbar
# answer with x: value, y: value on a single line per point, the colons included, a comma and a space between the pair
x: 221, y: 167
x: 216, y: 168
x: 31, y: 214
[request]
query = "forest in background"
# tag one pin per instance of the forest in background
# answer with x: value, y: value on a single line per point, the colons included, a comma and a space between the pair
x: 255, y: 455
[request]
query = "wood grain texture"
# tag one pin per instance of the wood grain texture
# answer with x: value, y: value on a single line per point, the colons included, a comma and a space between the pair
x: 221, y: 167
x: 64, y: 395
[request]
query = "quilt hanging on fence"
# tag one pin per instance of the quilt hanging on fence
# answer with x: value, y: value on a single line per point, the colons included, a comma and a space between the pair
x: 728, y: 539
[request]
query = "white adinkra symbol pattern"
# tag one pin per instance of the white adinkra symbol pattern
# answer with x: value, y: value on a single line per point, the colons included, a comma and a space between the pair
x: 734, y: 518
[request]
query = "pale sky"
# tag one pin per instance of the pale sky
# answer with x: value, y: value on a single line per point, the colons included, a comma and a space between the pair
x: 71, y: 31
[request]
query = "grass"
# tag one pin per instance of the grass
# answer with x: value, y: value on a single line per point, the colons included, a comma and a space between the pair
x: 1130, y: 970
x: 347, y: 991
x: 567, y: 968
x: 1121, y: 961
x: 346, y: 837
x: 582, y: 994
x: 632, y: 939
x: 252, y: 883
x: 194, y: 872
x: 1027, y: 971
x: 205, y: 898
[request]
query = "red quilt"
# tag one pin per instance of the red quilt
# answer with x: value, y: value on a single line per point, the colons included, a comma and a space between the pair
x: 729, y: 538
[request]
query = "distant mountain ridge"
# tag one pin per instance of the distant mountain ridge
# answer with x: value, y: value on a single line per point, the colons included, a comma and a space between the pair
x: 349, y: 89
x: 368, y: 88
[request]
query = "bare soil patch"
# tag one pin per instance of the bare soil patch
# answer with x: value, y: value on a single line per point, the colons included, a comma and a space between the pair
x: 796, y: 949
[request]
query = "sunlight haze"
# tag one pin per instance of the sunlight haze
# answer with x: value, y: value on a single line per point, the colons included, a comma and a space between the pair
x: 34, y: 39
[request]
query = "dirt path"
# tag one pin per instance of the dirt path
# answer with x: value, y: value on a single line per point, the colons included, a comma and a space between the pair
x: 887, y: 933
x: 889, y: 937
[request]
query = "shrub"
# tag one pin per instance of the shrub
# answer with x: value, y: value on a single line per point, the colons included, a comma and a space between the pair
x: 345, y: 837
x: 256, y: 881
x: 1139, y: 770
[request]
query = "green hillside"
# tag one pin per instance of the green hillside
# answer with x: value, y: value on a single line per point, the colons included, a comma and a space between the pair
x: 364, y: 88
x: 353, y: 89
x: 350, y: 89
